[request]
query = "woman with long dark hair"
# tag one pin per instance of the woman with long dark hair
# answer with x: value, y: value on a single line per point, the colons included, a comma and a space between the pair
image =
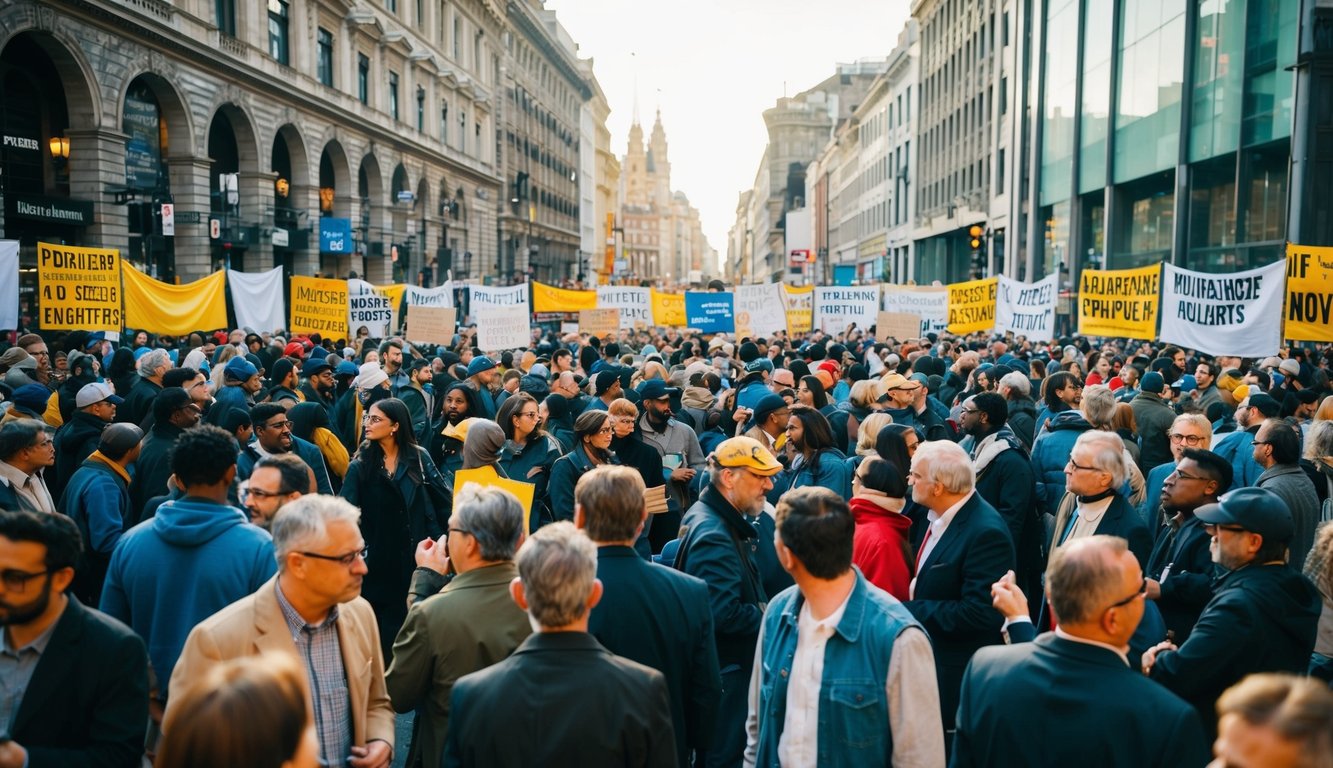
x: 592, y: 448
x: 814, y: 458
x: 121, y: 371
x: 896, y: 444
x: 810, y: 391
x: 528, y: 453
x: 399, y: 491
x: 310, y: 422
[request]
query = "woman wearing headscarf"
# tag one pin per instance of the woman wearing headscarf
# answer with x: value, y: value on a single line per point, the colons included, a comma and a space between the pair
x: 592, y: 434
x: 881, y: 546
x: 403, y: 500
x: 310, y: 422
x: 528, y: 452
x: 481, y: 446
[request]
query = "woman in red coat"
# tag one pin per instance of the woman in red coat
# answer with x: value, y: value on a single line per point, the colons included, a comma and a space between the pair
x: 880, y: 547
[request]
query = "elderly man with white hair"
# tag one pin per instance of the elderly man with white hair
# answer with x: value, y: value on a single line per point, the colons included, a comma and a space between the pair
x: 1094, y: 501
x: 962, y: 550
x: 151, y: 367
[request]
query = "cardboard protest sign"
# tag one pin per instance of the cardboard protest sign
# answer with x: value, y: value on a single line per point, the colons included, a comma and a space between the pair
x: 1027, y: 309
x: 502, y: 327
x: 759, y: 310
x: 599, y: 322
x: 431, y: 325
x: 319, y: 305
x: 78, y: 288
x: 1119, y: 302
x: 897, y: 325
x: 1237, y: 313
x: 972, y: 305
x: 1308, y: 309
x: 488, y: 477
x: 837, y: 307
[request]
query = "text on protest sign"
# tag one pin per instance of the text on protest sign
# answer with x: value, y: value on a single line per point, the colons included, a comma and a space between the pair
x: 800, y: 303
x: 710, y: 312
x: 442, y: 296
x: 431, y: 325
x: 1309, y: 296
x: 1027, y: 309
x: 372, y: 307
x: 502, y: 327
x: 1119, y: 302
x: 319, y: 305
x: 972, y: 306
x: 930, y: 303
x: 668, y: 308
x: 635, y: 304
x: 79, y: 288
x: 837, y: 307
x: 599, y: 322
x: 1229, y: 314
x: 759, y: 310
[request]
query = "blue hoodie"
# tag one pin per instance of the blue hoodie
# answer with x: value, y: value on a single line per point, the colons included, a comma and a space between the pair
x: 191, y: 560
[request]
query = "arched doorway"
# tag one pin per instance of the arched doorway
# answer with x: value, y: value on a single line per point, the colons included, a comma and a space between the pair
x: 370, y: 227
x: 292, y: 194
x: 233, y: 202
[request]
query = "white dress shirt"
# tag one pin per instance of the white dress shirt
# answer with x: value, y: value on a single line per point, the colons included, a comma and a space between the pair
x: 939, y: 523
x: 1087, y: 517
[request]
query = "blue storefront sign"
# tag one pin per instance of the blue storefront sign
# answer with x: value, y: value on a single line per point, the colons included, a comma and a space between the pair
x: 335, y: 235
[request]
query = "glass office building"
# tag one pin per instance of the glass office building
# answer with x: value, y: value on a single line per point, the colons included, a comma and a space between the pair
x: 1162, y: 132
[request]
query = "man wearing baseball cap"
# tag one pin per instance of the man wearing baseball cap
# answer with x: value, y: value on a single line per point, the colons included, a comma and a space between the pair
x: 907, y: 405
x: 320, y: 385
x: 77, y: 438
x: 718, y: 545
x: 1263, y: 616
x: 481, y: 374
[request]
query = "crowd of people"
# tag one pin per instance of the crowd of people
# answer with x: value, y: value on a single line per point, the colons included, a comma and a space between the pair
x: 820, y: 549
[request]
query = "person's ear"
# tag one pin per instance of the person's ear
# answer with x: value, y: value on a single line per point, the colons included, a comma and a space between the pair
x: 580, y: 518
x: 595, y: 594
x: 61, y: 579
x: 516, y: 593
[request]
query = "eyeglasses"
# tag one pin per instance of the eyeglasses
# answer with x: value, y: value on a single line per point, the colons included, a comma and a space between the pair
x: 1078, y: 466
x: 347, y: 559
x: 372, y: 418
x: 1212, y: 528
x: 259, y: 493
x: 1142, y: 590
x: 1190, y: 440
x: 47, y: 443
x: 1261, y: 442
x: 969, y: 410
x: 528, y: 415
x: 17, y: 581
x: 1183, y: 476
x: 278, y: 425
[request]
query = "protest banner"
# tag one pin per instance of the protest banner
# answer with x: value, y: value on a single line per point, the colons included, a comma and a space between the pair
x: 174, y: 310
x: 710, y: 312
x: 837, y: 307
x: 319, y: 305
x: 549, y: 298
x: 599, y: 322
x: 9, y: 284
x: 431, y: 325
x: 1237, y: 313
x: 501, y: 327
x: 257, y: 299
x: 1309, y: 294
x: 78, y: 288
x: 929, y: 302
x: 1119, y: 302
x: 1027, y: 309
x: 897, y: 325
x: 442, y: 296
x: 759, y: 310
x: 635, y: 304
x: 507, y: 296
x: 799, y: 303
x: 489, y: 478
x: 972, y: 306
x: 668, y: 309
x: 371, y: 307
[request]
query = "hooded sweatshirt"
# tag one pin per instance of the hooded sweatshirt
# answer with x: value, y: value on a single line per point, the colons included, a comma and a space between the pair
x: 191, y: 560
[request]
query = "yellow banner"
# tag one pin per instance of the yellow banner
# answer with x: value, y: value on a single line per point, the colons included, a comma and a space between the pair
x: 668, y: 308
x: 1309, y: 299
x: 800, y: 305
x: 395, y: 293
x: 1119, y: 302
x: 319, y: 305
x: 972, y: 305
x: 548, y: 298
x: 174, y: 310
x: 78, y: 288
x: 488, y: 477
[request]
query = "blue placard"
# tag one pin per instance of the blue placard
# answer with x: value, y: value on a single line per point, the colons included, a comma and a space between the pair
x: 710, y: 312
x: 335, y: 235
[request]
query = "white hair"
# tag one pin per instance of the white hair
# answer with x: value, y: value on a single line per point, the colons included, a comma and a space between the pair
x: 557, y: 566
x: 944, y: 462
x: 1016, y: 381
x: 152, y: 361
x: 1108, y: 454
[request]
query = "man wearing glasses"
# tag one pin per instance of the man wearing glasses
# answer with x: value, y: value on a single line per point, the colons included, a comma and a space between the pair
x: 1095, y: 588
x: 313, y: 610
x: 1188, y: 431
x: 275, y: 482
x: 1277, y: 448
x: 26, y: 448
x: 1263, y: 616
x: 273, y: 437
x: 1094, y: 476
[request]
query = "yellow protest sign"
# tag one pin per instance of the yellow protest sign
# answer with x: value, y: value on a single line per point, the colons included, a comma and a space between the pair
x: 972, y: 305
x: 1309, y: 299
x: 488, y: 477
x: 548, y: 298
x: 78, y: 288
x: 319, y: 305
x: 668, y: 308
x: 599, y: 322
x: 1119, y: 302
x: 175, y: 310
x: 800, y: 303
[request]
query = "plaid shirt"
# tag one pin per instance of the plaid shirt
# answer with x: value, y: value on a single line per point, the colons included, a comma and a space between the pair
x: 319, y: 648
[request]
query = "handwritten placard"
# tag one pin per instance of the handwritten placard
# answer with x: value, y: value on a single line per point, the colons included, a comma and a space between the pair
x: 432, y: 325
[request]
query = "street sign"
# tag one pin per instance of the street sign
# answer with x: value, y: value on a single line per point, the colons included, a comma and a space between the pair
x: 214, y: 228
x: 168, y: 220
x: 280, y: 238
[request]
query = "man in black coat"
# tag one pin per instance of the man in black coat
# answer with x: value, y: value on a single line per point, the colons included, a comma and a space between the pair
x: 77, y: 694
x: 1074, y: 694
x: 77, y: 438
x: 719, y: 546
x: 1263, y: 616
x: 649, y: 613
x: 139, y: 400
x: 173, y: 413
x: 561, y: 698
x: 963, y: 547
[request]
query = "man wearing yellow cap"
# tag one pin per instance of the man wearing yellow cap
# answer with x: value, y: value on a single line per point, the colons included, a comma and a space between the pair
x: 719, y: 546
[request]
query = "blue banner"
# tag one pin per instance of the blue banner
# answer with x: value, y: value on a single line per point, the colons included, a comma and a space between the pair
x: 710, y: 312
x: 335, y: 235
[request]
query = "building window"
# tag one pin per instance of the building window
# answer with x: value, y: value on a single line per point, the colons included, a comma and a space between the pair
x: 444, y: 124
x: 225, y: 11
x: 1151, y: 63
x: 462, y: 131
x: 458, y: 41
x: 421, y: 109
x: 278, y: 46
x: 324, y: 41
x: 393, y: 95
x: 391, y: 6
x: 362, y: 78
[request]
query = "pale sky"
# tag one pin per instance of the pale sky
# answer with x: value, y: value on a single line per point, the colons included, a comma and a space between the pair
x: 714, y: 66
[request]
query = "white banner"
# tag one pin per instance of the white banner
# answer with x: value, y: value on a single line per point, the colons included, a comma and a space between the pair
x: 635, y: 304
x: 837, y: 307
x: 9, y: 284
x: 371, y: 307
x: 760, y: 311
x: 507, y: 296
x: 258, y: 299
x: 1027, y: 309
x: 502, y: 327
x: 1239, y: 313
x: 931, y: 304
x: 442, y: 296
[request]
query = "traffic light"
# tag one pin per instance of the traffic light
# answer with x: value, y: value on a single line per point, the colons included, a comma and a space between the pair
x: 976, y: 242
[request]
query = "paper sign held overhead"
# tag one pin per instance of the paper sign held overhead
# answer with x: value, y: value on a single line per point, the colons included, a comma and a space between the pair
x: 431, y: 325
x: 599, y: 322
x: 897, y: 325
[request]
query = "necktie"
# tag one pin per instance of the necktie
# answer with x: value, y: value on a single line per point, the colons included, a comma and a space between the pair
x: 929, y: 531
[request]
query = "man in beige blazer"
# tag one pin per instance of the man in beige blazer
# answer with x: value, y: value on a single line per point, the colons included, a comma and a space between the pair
x: 313, y: 610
